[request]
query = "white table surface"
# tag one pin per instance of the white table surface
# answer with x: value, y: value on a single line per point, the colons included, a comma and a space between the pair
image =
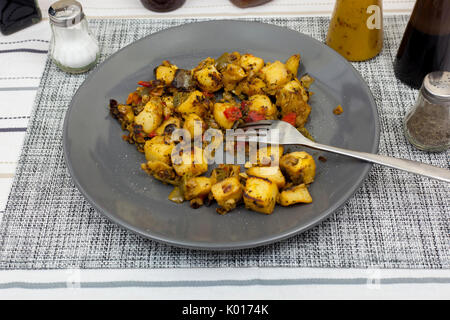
x: 20, y: 73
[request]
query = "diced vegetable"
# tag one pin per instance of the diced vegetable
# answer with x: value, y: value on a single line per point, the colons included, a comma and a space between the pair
x: 254, y: 116
x: 168, y: 125
x: 338, y: 110
x: 260, y: 194
x: 197, y: 187
x: 290, y: 118
x: 233, y: 113
x: 291, y: 98
x: 293, y: 63
x: 161, y: 171
x: 251, y: 64
x: 224, y: 171
x: 191, y: 163
x: 275, y: 75
x: 150, y: 118
x: 176, y: 195
x: 294, y: 195
x: 227, y: 193
x: 232, y: 74
x: 209, y: 78
x: 269, y: 156
x: 166, y: 72
x: 262, y: 105
x: 299, y: 166
x: 307, y: 81
x: 159, y: 149
x: 272, y: 173
x: 191, y: 121
x: 183, y: 80
x: 220, y: 117
x: 195, y: 103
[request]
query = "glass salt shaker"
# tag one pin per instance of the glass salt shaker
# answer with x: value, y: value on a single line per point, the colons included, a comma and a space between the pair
x: 72, y: 47
x: 427, y: 125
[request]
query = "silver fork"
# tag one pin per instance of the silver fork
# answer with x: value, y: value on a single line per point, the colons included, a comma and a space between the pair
x: 260, y: 131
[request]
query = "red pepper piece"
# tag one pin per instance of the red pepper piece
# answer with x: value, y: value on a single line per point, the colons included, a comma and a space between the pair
x: 244, y: 105
x: 133, y: 98
x: 147, y: 84
x: 130, y: 98
x: 233, y: 113
x: 209, y: 95
x: 254, y: 116
x: 290, y: 118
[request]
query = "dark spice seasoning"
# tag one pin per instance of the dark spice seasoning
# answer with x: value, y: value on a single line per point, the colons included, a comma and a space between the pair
x: 429, y: 125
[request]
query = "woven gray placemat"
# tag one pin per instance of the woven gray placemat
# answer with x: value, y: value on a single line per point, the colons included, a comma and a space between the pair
x: 395, y: 220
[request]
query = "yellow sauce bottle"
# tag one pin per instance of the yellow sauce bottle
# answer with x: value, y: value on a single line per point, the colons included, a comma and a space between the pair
x: 356, y: 29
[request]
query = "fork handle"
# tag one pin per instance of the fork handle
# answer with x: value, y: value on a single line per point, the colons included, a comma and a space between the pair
x: 402, y: 164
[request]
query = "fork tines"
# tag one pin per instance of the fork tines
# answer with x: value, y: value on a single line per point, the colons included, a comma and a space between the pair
x: 262, y: 124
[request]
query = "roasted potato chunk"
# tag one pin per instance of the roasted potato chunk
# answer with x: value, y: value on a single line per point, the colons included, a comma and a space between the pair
x: 220, y: 117
x: 262, y: 104
x: 168, y: 126
x: 299, y: 166
x: 272, y: 173
x: 166, y: 72
x: 260, y: 194
x: 150, y: 118
x: 250, y: 87
x: 195, y: 103
x: 294, y: 195
x: 292, y: 64
x: 269, y: 156
x: 161, y: 171
x: 123, y: 112
x: 251, y: 64
x: 226, y: 59
x: 191, y: 121
x: 293, y: 98
x: 306, y: 81
x: 159, y: 149
x: 197, y: 187
x: 227, y: 193
x: 190, y: 163
x: 224, y: 171
x: 168, y: 107
x: 275, y: 75
x: 209, y: 79
x: 232, y: 74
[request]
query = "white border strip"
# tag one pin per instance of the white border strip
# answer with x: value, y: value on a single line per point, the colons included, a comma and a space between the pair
x: 227, y: 283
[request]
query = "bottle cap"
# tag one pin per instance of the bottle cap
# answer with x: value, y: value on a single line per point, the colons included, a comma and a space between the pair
x: 436, y: 86
x: 65, y: 13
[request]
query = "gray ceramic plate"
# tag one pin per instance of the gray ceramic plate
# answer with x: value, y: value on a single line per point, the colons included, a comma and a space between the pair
x: 107, y: 169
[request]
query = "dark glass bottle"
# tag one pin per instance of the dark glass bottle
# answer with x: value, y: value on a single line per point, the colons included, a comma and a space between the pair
x: 162, y: 5
x: 248, y: 3
x: 426, y: 43
x: 16, y: 15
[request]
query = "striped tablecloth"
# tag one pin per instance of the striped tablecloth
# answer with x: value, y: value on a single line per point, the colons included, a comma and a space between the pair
x: 22, y: 59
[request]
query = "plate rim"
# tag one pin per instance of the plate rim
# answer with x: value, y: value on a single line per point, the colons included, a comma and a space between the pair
x: 241, y: 244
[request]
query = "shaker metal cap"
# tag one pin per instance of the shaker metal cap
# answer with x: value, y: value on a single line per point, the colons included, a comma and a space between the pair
x: 436, y: 86
x: 65, y: 13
